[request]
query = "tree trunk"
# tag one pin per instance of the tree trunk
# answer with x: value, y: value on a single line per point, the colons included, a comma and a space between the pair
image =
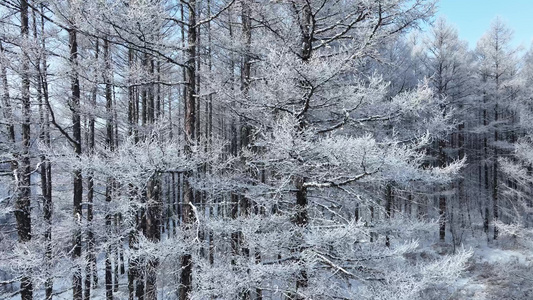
x: 486, y: 221
x: 190, y: 122
x: 306, y: 31
x: 153, y: 222
x: 442, y: 197
x: 495, y: 175
x: 90, y: 269
x: 109, y: 185
x: 23, y: 204
x: 301, y: 221
x: 6, y: 102
x: 388, y: 208
x: 78, y: 180
x: 47, y: 183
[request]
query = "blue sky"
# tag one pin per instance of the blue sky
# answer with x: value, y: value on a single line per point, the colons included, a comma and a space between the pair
x: 473, y: 18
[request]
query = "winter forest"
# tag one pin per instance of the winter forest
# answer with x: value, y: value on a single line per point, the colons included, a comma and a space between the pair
x: 261, y: 149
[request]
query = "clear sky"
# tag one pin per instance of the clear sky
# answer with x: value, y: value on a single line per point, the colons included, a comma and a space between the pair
x: 473, y: 17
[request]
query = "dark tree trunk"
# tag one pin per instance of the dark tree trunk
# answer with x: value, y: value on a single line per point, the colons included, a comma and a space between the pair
x: 134, y: 261
x: 190, y: 122
x: 6, y: 103
x: 133, y: 122
x: 139, y: 292
x: 495, y: 174
x: 486, y: 164
x: 78, y: 180
x: 442, y: 197
x: 158, y: 103
x: 461, y: 181
x: 388, y: 208
x: 109, y: 185
x: 23, y: 204
x: 47, y: 180
x: 306, y: 21
x: 153, y: 233
x: 151, y: 98
x: 186, y: 260
x: 301, y: 221
x: 90, y: 269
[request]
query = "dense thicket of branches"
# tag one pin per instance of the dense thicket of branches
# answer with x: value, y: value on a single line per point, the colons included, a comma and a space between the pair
x: 250, y: 149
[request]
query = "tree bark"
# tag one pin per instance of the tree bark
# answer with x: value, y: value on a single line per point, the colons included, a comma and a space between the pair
x: 495, y: 175
x: 389, y: 198
x: 190, y: 122
x: 23, y: 171
x: 77, y: 180
x: 153, y: 233
x: 442, y: 197
x: 47, y: 187
x: 90, y: 269
x: 6, y: 102
x: 109, y: 185
x: 306, y: 30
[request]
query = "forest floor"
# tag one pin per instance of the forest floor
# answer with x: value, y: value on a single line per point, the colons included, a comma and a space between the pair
x: 500, y: 270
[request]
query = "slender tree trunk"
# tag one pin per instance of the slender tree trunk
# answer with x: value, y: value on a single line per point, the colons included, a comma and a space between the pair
x: 306, y: 29
x: 153, y: 223
x: 151, y: 98
x: 442, y: 197
x: 496, y: 138
x: 90, y: 269
x: 109, y: 185
x: 152, y: 217
x: 388, y: 208
x: 245, y: 130
x: 144, y: 96
x: 495, y: 175
x: 198, y: 59
x: 47, y: 187
x: 6, y: 102
x: 42, y: 137
x: 132, y: 132
x: 153, y: 198
x: 184, y: 75
x: 486, y: 163
x: 23, y: 204
x: 173, y: 203
x: 158, y: 109
x: 190, y: 122
x: 461, y: 181
x: 409, y: 204
x: 301, y: 221
x: 116, y: 253
x: 139, y: 292
x: 131, y: 97
x: 78, y: 180
x: 133, y: 262
x: 235, y: 236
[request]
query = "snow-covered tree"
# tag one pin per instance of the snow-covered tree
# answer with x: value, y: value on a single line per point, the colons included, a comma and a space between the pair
x: 447, y: 65
x: 328, y: 137
x: 497, y: 68
x: 282, y: 184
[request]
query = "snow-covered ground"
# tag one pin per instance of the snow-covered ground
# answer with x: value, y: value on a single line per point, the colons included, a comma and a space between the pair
x: 499, y: 271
